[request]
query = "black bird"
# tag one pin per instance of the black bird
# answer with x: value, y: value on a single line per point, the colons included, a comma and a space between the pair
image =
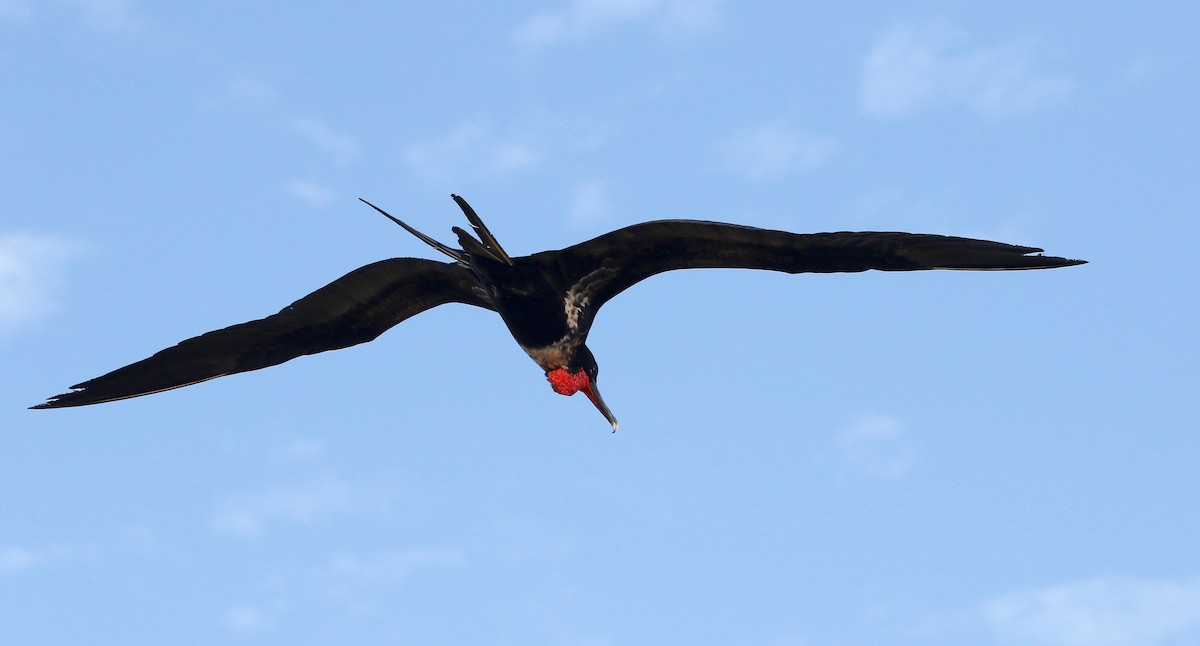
x: 548, y: 300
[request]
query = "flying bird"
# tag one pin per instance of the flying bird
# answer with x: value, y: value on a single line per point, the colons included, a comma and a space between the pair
x: 548, y: 300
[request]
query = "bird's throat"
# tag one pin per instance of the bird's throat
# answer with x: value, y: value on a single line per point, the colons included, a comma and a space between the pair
x: 566, y: 383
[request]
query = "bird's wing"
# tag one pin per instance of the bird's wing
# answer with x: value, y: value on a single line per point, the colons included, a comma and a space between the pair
x: 605, y: 266
x: 353, y: 309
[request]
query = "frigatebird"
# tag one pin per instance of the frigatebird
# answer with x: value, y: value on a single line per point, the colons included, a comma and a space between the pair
x: 548, y: 300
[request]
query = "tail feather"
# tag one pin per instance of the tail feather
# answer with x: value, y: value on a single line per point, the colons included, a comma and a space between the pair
x: 457, y: 255
x: 947, y: 252
x: 490, y: 245
x: 473, y: 246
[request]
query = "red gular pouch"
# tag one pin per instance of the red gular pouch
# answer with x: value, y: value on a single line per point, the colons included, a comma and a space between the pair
x: 566, y: 383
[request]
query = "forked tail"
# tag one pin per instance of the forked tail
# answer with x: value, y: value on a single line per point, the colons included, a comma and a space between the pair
x: 457, y: 255
x: 489, y: 247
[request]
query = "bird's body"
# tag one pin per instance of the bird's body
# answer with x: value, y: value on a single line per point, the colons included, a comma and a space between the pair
x: 548, y: 300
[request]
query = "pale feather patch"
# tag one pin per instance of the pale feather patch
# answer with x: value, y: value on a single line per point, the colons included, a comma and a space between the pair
x: 559, y: 353
x: 580, y: 294
x: 550, y: 357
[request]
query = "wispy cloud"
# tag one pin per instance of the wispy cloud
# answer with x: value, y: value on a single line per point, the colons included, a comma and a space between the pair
x: 100, y: 15
x: 1139, y: 69
x: 774, y: 150
x: 250, y: 618
x: 131, y: 541
x: 875, y: 445
x: 916, y: 67
x: 244, y: 90
x: 14, y: 560
x: 525, y: 540
x: 682, y: 18
x: 343, y: 147
x: 391, y: 565
x: 311, y: 193
x: 582, y: 19
x: 18, y: 11
x: 360, y: 582
x: 32, y: 272
x: 249, y: 92
x: 1099, y: 612
x: 106, y: 14
x: 589, y: 202
x: 250, y: 514
x: 471, y: 150
x: 300, y: 451
x: 355, y: 582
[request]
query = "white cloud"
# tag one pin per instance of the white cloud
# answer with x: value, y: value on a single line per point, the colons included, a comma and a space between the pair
x: 1139, y: 69
x: 132, y: 541
x: 1109, y: 611
x: 243, y: 90
x: 15, y: 10
x: 137, y: 538
x: 589, y: 202
x: 357, y: 581
x: 300, y: 451
x: 389, y: 565
x: 507, y: 157
x: 315, y: 195
x: 582, y: 19
x: 523, y: 541
x: 14, y: 560
x: 689, y: 17
x: 876, y: 445
x: 31, y: 275
x: 358, y: 584
x: 599, y: 640
x: 470, y: 149
x: 249, y: 619
x: 106, y: 14
x: 342, y: 146
x: 248, y: 515
x: 101, y: 15
x: 774, y: 150
x: 919, y: 67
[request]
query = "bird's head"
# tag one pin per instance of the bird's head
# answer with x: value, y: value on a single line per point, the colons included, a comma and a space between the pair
x: 580, y: 376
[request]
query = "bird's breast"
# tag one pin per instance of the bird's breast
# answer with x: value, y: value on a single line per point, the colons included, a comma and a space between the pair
x: 534, y: 322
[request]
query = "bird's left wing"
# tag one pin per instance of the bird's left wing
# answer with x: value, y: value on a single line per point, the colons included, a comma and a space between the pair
x: 603, y: 267
x: 353, y: 309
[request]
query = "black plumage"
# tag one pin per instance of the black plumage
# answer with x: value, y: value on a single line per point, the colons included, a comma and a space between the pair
x: 548, y: 300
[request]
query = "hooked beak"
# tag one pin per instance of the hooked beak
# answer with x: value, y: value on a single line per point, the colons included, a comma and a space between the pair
x: 593, y: 394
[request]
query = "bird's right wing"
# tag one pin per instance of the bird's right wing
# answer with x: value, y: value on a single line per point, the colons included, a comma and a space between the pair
x: 353, y: 309
x: 605, y: 266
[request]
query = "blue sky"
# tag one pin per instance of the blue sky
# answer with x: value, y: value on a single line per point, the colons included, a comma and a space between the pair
x: 935, y: 458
